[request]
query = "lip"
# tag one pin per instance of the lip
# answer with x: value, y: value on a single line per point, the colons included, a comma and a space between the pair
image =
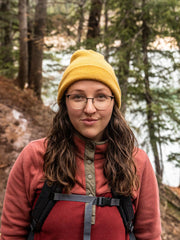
x: 89, y: 121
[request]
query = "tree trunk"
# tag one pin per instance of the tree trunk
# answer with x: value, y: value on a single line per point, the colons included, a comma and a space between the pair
x: 81, y: 20
x: 123, y: 74
x: 106, y: 17
x: 23, y: 49
x: 94, y: 23
x: 148, y: 95
x: 37, y: 48
x: 30, y: 40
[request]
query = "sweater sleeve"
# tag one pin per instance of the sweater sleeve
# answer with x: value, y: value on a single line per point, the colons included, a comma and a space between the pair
x: 147, y: 217
x: 23, y: 181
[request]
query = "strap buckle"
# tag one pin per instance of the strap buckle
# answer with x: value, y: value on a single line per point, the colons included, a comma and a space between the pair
x: 103, y: 201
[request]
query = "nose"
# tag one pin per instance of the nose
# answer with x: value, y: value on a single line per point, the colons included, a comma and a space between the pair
x: 89, y: 108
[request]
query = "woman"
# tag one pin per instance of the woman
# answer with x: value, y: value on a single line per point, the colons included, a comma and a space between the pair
x: 90, y: 151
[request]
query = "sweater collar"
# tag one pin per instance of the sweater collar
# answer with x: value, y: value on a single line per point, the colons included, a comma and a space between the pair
x: 82, y: 143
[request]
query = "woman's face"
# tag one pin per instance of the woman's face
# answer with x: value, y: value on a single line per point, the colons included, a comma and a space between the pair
x: 89, y: 121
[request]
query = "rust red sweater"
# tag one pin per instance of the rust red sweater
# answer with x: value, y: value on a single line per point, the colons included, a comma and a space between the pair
x: 66, y: 219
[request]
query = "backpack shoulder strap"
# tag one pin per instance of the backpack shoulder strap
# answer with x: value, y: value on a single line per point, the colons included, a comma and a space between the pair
x: 127, y: 213
x: 46, y: 202
x: 42, y: 208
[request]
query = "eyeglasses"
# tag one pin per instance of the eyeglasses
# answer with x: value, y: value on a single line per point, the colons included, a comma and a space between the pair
x: 101, y: 102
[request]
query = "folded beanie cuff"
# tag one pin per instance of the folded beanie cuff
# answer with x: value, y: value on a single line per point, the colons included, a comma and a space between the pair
x: 81, y: 73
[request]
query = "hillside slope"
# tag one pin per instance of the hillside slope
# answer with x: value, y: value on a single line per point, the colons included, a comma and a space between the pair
x: 23, y: 118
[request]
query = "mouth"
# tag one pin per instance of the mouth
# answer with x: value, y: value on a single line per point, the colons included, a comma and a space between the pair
x: 89, y: 121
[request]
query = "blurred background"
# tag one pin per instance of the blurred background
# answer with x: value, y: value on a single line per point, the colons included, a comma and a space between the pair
x: 139, y: 38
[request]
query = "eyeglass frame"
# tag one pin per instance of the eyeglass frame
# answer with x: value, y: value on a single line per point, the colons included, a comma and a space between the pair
x: 68, y: 95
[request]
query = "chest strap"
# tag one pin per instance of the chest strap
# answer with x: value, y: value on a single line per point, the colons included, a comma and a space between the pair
x: 98, y: 201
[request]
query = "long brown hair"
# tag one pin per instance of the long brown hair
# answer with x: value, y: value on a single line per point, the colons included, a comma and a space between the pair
x: 119, y: 167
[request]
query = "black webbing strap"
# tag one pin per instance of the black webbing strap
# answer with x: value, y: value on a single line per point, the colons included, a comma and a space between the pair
x: 42, y: 208
x: 127, y: 213
x: 99, y: 201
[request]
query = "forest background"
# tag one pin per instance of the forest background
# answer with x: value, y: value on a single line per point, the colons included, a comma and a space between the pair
x: 133, y: 35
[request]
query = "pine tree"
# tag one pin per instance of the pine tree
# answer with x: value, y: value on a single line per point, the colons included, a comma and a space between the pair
x: 93, y: 31
x: 136, y: 25
x: 8, y: 27
x: 37, y: 47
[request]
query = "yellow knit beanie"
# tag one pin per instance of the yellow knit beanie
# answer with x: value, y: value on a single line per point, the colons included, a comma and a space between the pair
x: 89, y: 65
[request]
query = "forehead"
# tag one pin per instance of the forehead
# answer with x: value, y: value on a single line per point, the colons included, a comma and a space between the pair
x: 85, y: 85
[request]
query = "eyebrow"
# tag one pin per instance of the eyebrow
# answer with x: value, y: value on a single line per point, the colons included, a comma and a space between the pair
x: 81, y: 90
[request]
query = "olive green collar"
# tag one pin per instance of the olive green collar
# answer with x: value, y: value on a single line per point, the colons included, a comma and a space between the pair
x: 90, y: 140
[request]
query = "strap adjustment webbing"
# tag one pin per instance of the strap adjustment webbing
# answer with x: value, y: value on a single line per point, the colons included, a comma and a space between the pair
x: 99, y: 201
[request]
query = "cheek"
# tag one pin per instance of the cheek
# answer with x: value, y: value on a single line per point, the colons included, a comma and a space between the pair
x: 73, y: 115
x: 107, y: 116
x: 109, y: 112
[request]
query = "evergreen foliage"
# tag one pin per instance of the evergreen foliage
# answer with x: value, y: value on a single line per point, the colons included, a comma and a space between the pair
x: 8, y: 36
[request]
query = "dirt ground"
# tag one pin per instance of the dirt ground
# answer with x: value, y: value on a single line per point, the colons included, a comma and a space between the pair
x: 23, y: 118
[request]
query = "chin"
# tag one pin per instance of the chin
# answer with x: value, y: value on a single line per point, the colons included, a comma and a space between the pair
x: 93, y: 137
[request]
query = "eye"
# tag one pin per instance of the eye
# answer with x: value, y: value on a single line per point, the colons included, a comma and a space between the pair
x: 77, y: 97
x: 101, y: 97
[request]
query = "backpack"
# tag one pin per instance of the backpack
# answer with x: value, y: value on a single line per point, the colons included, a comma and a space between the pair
x: 51, y: 194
